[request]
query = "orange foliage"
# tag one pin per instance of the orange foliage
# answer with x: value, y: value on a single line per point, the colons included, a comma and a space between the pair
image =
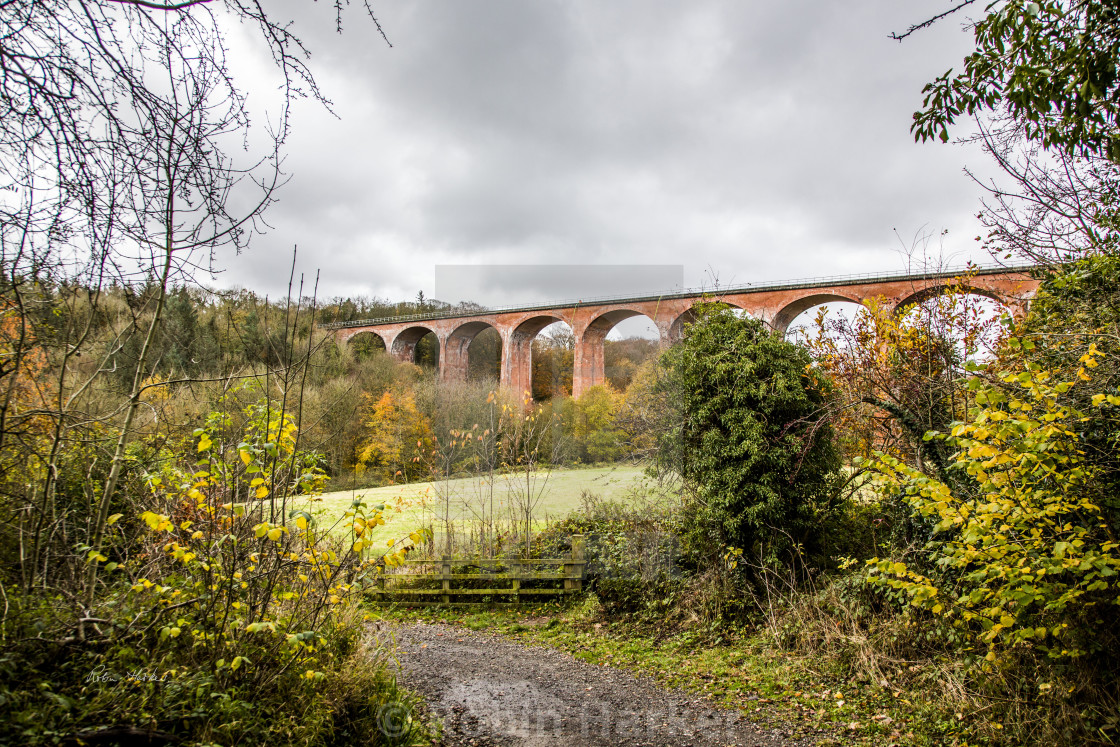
x: 398, y: 438
x: 899, y: 374
x: 23, y: 375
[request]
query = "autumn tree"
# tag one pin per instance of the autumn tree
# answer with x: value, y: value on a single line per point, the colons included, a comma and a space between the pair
x: 553, y: 364
x: 901, y: 373
x: 1026, y: 562
x: 623, y: 358
x: 590, y: 422
x: 1073, y: 331
x: 399, y: 438
x: 645, y: 413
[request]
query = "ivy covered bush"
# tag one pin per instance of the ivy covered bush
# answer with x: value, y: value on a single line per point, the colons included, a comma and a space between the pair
x: 750, y: 439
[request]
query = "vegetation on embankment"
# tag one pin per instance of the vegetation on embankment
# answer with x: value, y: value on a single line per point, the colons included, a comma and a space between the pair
x: 969, y: 549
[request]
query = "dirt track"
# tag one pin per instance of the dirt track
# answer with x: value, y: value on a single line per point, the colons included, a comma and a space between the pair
x: 492, y: 691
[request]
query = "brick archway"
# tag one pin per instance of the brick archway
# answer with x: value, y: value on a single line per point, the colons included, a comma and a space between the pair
x: 517, y: 349
x: 1017, y: 307
x: 590, y: 362
x: 454, y: 354
x: 405, y: 341
x: 791, y: 311
x: 364, y: 333
x: 775, y: 303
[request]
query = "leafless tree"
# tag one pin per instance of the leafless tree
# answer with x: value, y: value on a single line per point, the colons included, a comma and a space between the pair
x: 1048, y: 207
x: 119, y: 121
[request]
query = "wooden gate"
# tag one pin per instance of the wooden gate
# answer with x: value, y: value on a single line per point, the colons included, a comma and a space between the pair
x: 455, y: 581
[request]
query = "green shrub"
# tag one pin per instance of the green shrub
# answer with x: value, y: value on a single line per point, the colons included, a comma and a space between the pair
x: 750, y: 438
x: 51, y: 692
x: 222, y: 614
x: 1028, y: 561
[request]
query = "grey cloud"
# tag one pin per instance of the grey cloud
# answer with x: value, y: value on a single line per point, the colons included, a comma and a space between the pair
x: 762, y: 140
x: 509, y: 284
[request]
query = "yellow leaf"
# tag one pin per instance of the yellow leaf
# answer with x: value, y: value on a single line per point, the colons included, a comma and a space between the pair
x: 262, y: 492
x: 113, y: 519
x: 274, y: 534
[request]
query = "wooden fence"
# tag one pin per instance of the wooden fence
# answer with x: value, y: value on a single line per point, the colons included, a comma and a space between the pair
x: 543, y: 576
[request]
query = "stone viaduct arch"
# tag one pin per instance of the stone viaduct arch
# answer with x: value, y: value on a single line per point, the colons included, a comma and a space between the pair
x: 1016, y: 308
x: 454, y: 360
x: 775, y: 303
x: 790, y: 311
x: 517, y: 347
x: 368, y: 334
x: 590, y: 362
x: 403, y: 347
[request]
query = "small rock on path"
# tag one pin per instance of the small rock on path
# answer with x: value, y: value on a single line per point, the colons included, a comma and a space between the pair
x: 492, y: 691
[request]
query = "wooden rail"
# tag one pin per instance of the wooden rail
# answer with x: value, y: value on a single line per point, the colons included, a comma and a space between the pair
x: 569, y: 572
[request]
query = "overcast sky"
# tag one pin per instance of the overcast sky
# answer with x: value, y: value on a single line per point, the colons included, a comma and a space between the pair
x: 744, y: 140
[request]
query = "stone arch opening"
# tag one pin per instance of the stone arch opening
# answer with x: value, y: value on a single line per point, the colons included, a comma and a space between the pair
x: 839, y: 315
x: 553, y: 361
x: 365, y: 345
x: 939, y: 289
x: 965, y: 318
x: 418, y: 345
x: 474, y: 353
x: 689, y: 315
x: 610, y: 351
x: 791, y: 311
x: 541, y: 369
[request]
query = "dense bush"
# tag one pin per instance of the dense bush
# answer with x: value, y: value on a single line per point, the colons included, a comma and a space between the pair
x: 217, y: 603
x: 590, y: 423
x: 750, y: 438
x: 1075, y: 310
x: 50, y: 692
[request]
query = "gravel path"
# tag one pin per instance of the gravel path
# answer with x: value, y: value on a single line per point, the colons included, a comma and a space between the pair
x: 492, y: 691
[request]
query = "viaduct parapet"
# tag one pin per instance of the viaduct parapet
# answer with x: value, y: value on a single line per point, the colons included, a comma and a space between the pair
x: 777, y: 304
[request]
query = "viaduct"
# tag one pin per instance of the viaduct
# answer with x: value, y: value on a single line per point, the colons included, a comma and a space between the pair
x: 590, y: 321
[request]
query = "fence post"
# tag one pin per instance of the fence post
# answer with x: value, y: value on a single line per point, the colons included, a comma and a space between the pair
x: 515, y: 581
x: 445, y: 573
x: 577, y: 558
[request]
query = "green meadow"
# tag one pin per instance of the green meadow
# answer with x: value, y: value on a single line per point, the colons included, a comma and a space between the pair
x: 422, y: 504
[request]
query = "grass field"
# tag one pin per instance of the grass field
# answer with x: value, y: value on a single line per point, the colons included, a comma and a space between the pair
x: 409, y: 507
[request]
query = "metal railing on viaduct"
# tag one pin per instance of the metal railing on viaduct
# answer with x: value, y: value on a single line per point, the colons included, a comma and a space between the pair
x: 591, y: 319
